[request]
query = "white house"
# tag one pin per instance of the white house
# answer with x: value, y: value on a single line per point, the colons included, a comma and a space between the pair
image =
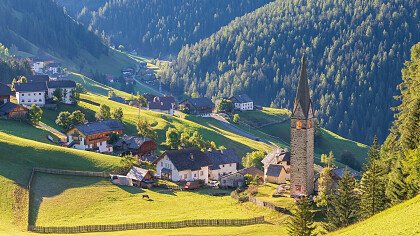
x: 31, y: 93
x: 66, y: 86
x: 188, y: 164
x: 38, y: 66
x: 223, y: 162
x: 242, y: 102
x: 277, y: 157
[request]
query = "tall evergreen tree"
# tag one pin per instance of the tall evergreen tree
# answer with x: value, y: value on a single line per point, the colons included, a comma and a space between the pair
x: 397, y: 189
x: 372, y: 185
x: 343, y: 206
x: 302, y: 222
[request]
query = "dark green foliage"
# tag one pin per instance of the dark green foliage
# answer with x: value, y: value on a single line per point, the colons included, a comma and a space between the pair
x: 35, y: 114
x: 11, y: 69
x: 118, y: 114
x: 77, y: 117
x: 58, y: 95
x: 145, y: 129
x: 172, y: 138
x: 225, y: 105
x: 64, y: 119
x: 398, y: 190
x: 44, y: 24
x: 372, y: 185
x: 236, y: 118
x: 302, y: 221
x: 343, y: 206
x: 254, y: 159
x: 194, y: 139
x: 354, y: 51
x: 104, y: 113
x: 158, y: 28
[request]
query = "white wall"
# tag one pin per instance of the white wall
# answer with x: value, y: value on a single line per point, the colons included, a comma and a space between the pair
x: 249, y: 106
x: 66, y: 91
x: 185, y: 175
x: 224, y: 169
x: 29, y: 98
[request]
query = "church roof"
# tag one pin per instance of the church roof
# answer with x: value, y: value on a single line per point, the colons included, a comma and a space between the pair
x: 303, y: 97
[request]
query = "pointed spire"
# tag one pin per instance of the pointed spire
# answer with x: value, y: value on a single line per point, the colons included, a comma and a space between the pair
x: 303, y: 97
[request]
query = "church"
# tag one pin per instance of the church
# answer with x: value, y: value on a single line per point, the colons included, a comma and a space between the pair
x: 302, y: 139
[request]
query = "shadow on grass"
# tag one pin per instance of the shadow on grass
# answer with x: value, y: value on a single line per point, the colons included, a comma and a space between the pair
x: 163, y: 191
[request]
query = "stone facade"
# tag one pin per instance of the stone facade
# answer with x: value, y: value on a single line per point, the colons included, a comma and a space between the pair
x: 302, y: 140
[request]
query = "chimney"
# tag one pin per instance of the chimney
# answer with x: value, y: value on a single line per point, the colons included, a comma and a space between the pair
x: 191, y: 156
x: 221, y: 151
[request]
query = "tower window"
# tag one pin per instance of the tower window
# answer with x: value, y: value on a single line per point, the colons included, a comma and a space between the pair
x: 298, y: 124
x: 309, y: 123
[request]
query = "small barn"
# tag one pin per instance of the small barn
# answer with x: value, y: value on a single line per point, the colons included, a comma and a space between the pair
x: 139, y: 175
x: 233, y: 180
x: 13, y: 111
x: 121, y: 180
x: 140, y: 146
x: 275, y: 174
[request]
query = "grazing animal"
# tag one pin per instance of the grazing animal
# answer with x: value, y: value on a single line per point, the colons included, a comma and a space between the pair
x: 145, y: 196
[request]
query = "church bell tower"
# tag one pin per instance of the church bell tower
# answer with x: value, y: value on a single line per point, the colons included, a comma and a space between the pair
x: 302, y: 139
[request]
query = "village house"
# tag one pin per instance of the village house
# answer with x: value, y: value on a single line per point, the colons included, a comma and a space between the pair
x: 198, y: 106
x: 39, y: 63
x: 13, y: 111
x: 37, y: 78
x: 94, y: 136
x: 118, y: 99
x: 223, y: 162
x: 188, y: 164
x: 31, y: 93
x: 242, y: 102
x: 162, y: 104
x: 137, y: 146
x: 272, y: 161
x: 66, y: 86
x: 5, y: 93
x: 137, y: 177
x: 237, y: 179
x: 54, y: 68
x: 338, y: 173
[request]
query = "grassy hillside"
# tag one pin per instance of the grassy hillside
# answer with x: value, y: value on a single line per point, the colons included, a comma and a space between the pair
x: 402, y: 219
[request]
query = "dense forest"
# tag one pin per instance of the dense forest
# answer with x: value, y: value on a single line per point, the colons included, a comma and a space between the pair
x: 158, y: 28
x: 355, y: 52
x: 43, y: 24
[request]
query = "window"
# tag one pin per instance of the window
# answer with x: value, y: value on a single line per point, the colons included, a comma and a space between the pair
x: 40, y: 100
x: 223, y: 165
x: 161, y: 164
x: 39, y: 94
x: 23, y: 94
x: 309, y: 124
x: 298, y: 124
x: 34, y: 94
x: 201, y: 173
x: 195, y: 175
x: 298, y: 187
x: 23, y: 100
x: 185, y: 176
x: 230, y: 164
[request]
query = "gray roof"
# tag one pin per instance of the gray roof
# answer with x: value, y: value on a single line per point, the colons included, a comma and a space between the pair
x: 100, y: 126
x: 241, y: 98
x: 201, y: 102
x: 274, y: 170
x: 38, y: 78
x: 276, y: 156
x: 252, y: 170
x: 133, y: 142
x: 164, y: 106
x: 61, y: 84
x: 31, y: 87
x: 339, y: 172
x: 7, y: 108
x: 220, y: 157
x: 303, y: 97
x: 117, y: 99
x: 137, y: 173
x: 5, y: 90
x: 187, y: 159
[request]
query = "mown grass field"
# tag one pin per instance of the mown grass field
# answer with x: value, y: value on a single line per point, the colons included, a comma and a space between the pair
x: 25, y: 130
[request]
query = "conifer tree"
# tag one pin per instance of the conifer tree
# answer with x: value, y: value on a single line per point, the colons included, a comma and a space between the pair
x: 325, y: 180
x: 342, y: 208
x: 397, y: 188
x: 372, y: 185
x: 302, y: 223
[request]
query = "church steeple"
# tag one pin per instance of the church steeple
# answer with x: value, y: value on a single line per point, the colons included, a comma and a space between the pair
x: 303, y: 103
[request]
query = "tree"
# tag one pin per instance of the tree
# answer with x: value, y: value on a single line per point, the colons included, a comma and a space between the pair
x: 236, y: 118
x: 145, y: 129
x: 302, y: 221
x: 127, y: 162
x: 111, y: 94
x: 77, y: 117
x: 142, y: 100
x: 372, y: 185
x: 80, y: 88
x: 58, y: 95
x: 118, y: 114
x: 75, y: 95
x: 64, y: 119
x: 35, y: 114
x: 254, y: 159
x: 225, y: 105
x: 328, y: 160
x: 104, y: 113
x: 172, y: 138
x: 325, y: 186
x: 397, y: 189
x: 343, y: 206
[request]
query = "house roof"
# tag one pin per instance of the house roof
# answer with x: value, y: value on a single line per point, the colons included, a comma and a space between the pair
x: 61, y: 84
x: 201, y: 102
x: 137, y: 173
x: 8, y: 107
x: 117, y: 99
x: 339, y: 172
x: 5, y: 90
x: 241, y: 98
x: 166, y: 106
x: 303, y: 97
x: 254, y: 171
x: 38, y: 78
x: 187, y: 159
x: 274, y: 170
x: 165, y: 99
x: 100, y: 126
x: 220, y: 157
x: 276, y: 156
x: 31, y: 87
x: 133, y: 142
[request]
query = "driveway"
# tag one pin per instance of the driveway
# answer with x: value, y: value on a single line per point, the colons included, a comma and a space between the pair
x: 57, y: 133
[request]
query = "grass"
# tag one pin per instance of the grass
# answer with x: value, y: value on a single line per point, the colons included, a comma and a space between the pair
x: 265, y: 193
x: 24, y: 130
x: 402, y: 219
x: 71, y: 201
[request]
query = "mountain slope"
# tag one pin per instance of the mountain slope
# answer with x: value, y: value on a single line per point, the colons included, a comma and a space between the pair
x: 355, y: 51
x: 402, y: 219
x: 158, y: 28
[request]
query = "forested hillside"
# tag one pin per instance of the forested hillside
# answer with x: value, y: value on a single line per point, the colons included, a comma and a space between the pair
x: 158, y: 28
x: 355, y: 51
x: 34, y: 26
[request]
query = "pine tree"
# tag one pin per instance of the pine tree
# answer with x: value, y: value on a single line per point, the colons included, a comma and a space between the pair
x: 397, y: 188
x: 372, y: 185
x: 302, y: 223
x: 342, y: 207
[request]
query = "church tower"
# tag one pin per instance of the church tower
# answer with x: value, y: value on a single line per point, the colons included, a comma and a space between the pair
x: 302, y: 139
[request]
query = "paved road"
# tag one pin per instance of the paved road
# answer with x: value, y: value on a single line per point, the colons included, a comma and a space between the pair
x: 236, y: 130
x: 57, y: 133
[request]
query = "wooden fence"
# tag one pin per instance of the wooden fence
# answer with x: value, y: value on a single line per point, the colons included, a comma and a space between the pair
x: 269, y: 205
x: 71, y: 172
x: 147, y: 225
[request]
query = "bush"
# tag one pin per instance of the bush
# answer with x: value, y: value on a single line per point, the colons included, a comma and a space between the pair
x: 252, y: 190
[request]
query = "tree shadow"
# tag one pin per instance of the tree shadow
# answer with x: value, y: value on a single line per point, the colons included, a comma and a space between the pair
x: 163, y: 191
